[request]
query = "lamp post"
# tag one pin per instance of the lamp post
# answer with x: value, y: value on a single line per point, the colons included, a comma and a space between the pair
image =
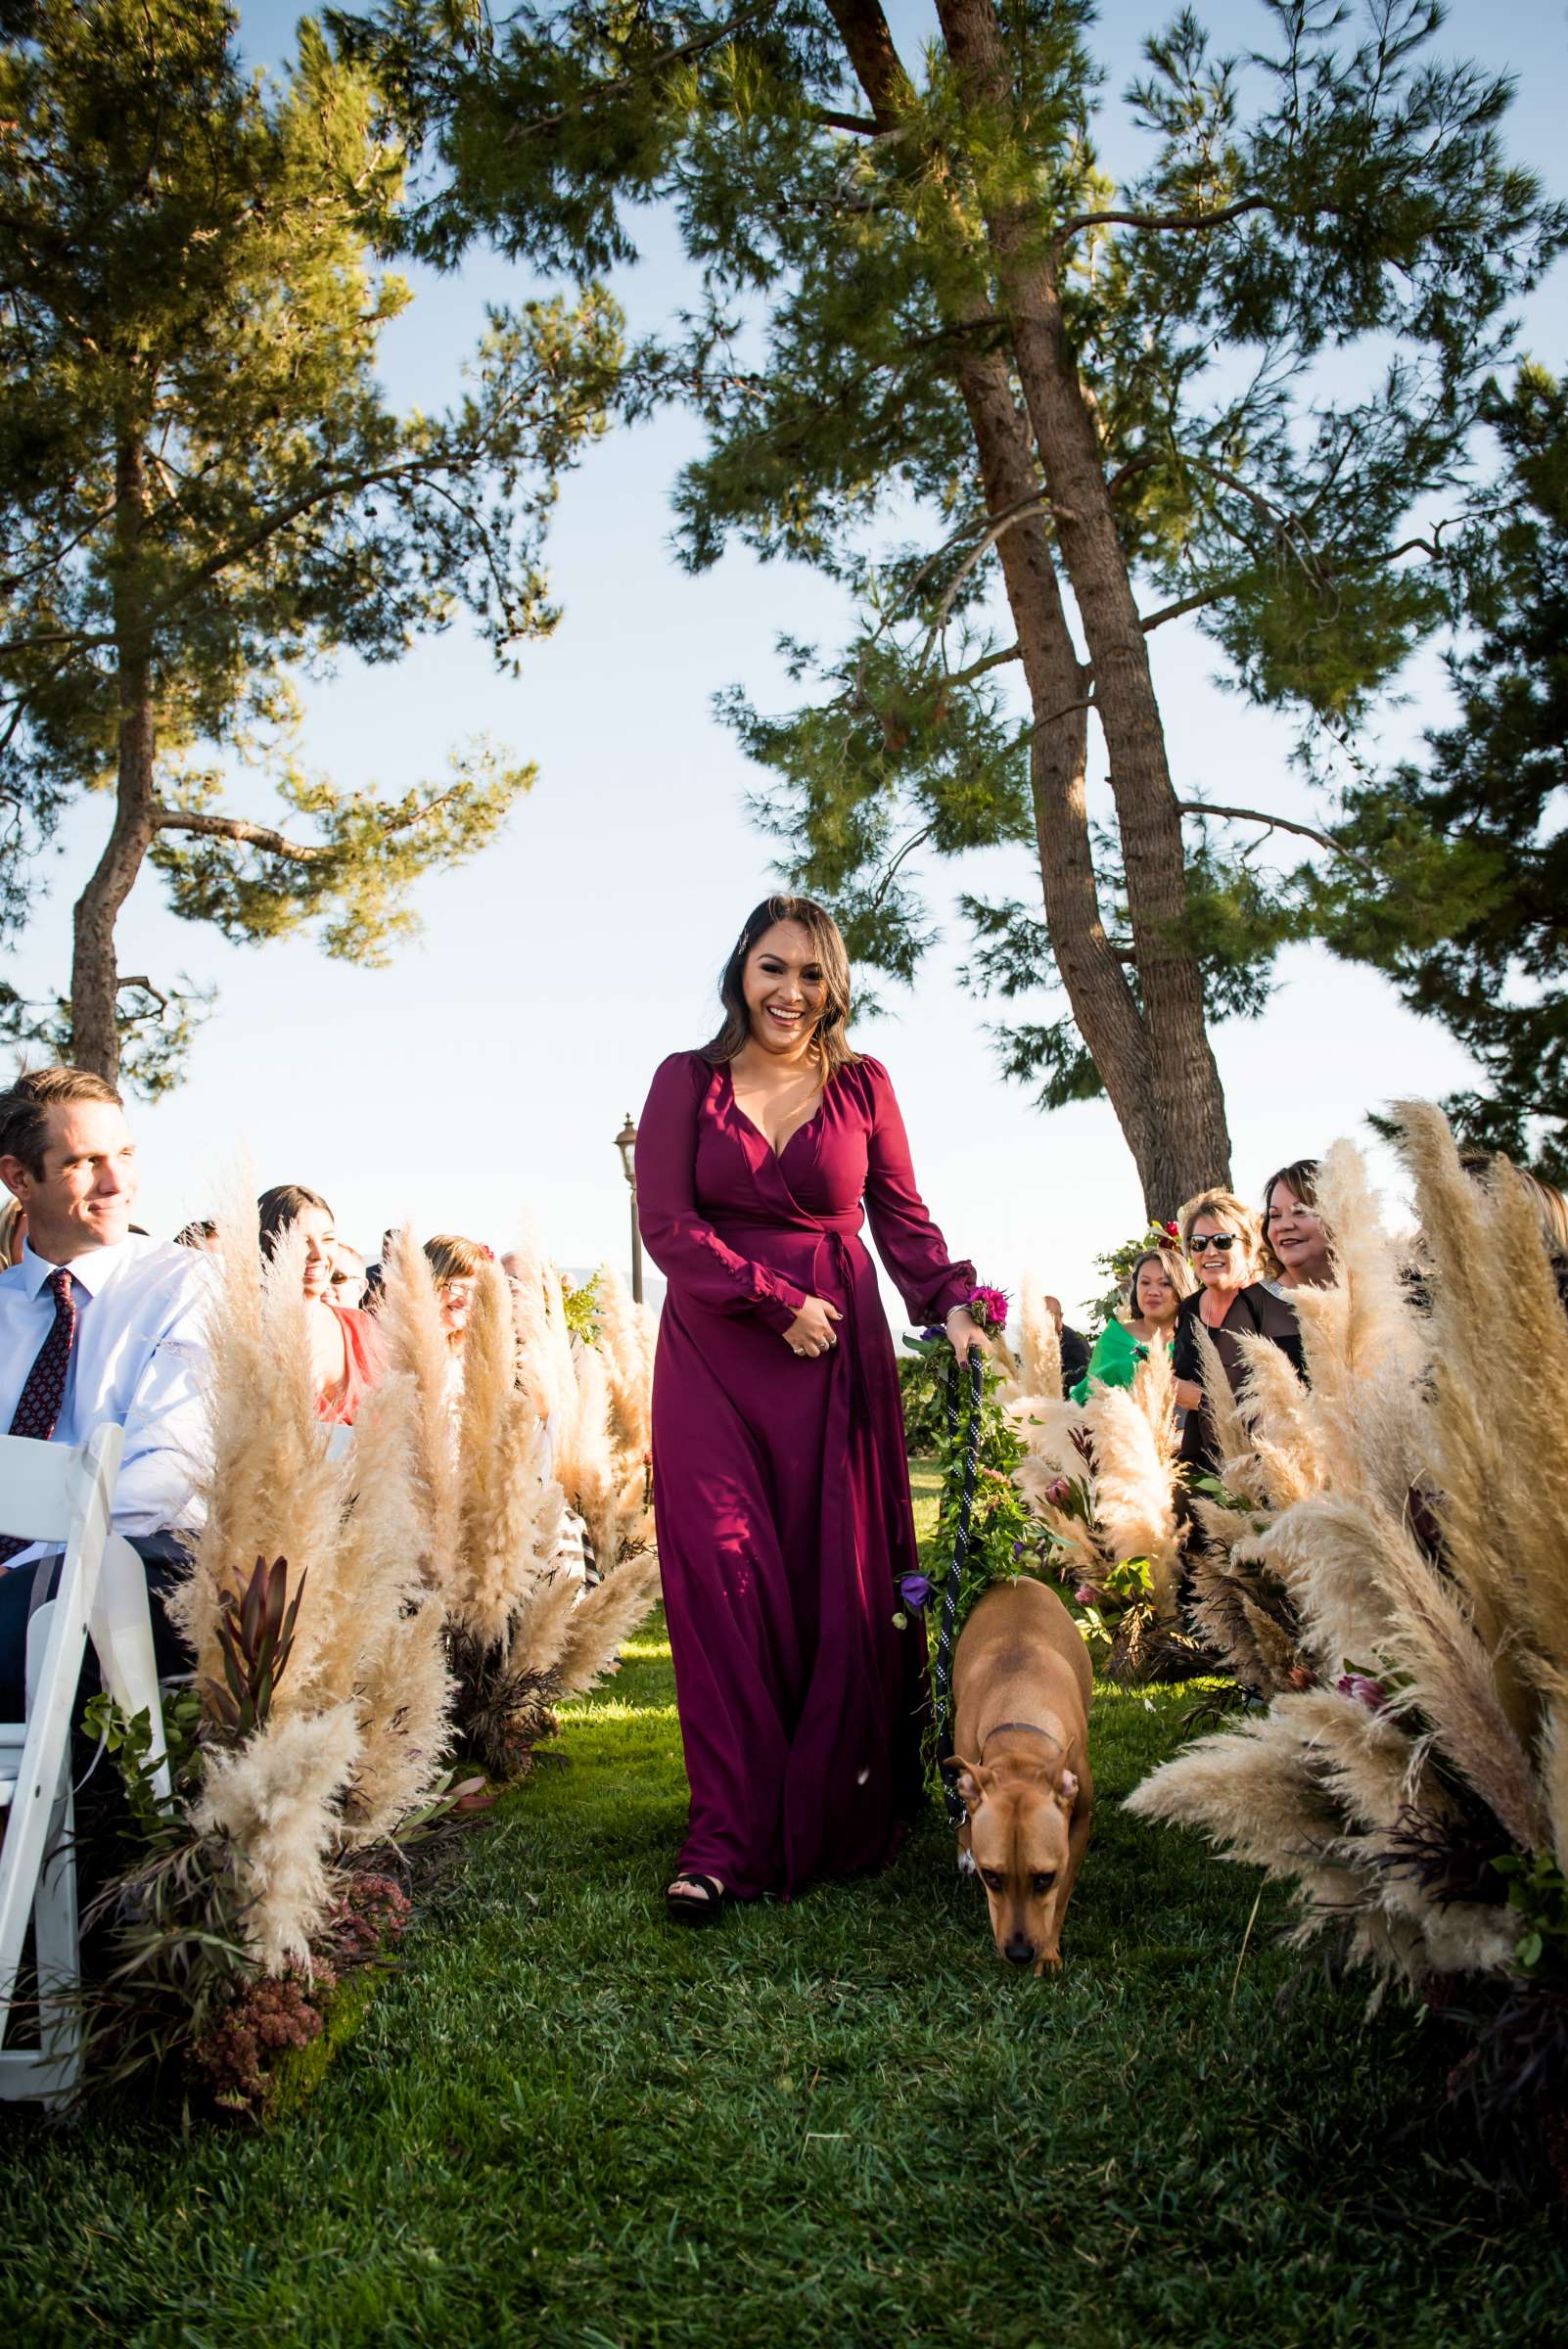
x: 626, y: 1143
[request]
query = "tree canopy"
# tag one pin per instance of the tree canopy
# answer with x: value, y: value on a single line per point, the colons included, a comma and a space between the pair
x: 1470, y: 845
x: 204, y: 493
x: 944, y: 359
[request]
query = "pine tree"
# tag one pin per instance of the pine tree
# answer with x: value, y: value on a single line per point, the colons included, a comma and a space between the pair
x: 921, y: 292
x: 1471, y: 848
x: 203, y: 489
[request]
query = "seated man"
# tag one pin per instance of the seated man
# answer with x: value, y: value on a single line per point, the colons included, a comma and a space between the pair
x: 95, y: 1323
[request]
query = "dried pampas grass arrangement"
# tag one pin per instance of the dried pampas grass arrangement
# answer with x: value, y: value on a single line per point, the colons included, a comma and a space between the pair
x: 349, y: 1737
x: 537, y: 1435
x: 1406, y: 1508
x: 1101, y: 1480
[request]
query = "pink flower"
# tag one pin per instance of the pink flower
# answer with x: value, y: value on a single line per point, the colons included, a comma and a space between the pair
x: 988, y: 1307
x: 1086, y: 1595
x: 1059, y: 1491
x: 1363, y: 1689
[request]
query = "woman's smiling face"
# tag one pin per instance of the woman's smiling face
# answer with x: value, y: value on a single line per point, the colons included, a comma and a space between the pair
x: 1298, y: 1236
x: 1218, y: 1266
x: 785, y: 990
x: 1155, y: 1298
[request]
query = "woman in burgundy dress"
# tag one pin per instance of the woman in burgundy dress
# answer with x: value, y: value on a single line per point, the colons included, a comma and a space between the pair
x: 781, y: 1481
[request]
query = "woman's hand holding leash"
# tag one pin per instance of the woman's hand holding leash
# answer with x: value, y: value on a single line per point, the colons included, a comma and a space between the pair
x: 964, y: 1331
x: 812, y: 1331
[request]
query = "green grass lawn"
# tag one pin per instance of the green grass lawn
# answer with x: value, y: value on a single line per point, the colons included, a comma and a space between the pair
x: 843, y: 2122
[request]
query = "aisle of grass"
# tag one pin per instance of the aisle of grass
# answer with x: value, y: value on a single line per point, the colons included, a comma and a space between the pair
x: 842, y: 2121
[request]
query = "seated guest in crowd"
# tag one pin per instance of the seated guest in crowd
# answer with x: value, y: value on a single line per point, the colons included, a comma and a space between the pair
x: 1221, y: 1238
x: 1074, y: 1344
x: 202, y: 1233
x: 13, y: 1231
x: 376, y: 1273
x: 345, y: 1350
x: 96, y: 1322
x: 1156, y: 1286
x: 349, y: 1277
x: 1296, y: 1251
x: 455, y: 1266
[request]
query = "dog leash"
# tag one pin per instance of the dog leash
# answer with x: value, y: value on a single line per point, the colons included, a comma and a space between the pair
x: 942, y: 1676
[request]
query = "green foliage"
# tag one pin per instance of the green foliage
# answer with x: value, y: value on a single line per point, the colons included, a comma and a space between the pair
x: 203, y: 492
x: 1003, y: 1538
x: 1225, y: 2133
x: 1539, y: 1890
x: 1469, y: 851
x: 1282, y: 328
x: 923, y: 1387
x: 156, y: 1029
x: 580, y: 1301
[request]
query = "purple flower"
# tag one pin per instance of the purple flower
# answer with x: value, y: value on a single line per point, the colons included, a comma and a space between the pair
x: 1363, y: 1689
x: 1086, y: 1595
x: 915, y: 1591
x: 933, y: 1336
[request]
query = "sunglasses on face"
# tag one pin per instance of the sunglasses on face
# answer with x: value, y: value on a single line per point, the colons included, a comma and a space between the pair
x: 1224, y: 1241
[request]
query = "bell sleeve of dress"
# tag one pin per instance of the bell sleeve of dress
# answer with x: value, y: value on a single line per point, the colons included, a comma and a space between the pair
x: 685, y: 1247
x: 908, y: 1241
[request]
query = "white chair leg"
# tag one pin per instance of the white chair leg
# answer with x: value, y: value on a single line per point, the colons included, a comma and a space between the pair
x: 57, y: 1944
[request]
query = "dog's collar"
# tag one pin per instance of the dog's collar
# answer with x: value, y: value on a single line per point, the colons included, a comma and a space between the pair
x: 1031, y: 1726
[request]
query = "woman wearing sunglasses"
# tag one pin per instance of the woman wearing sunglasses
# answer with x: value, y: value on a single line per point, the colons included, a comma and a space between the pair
x: 1221, y: 1242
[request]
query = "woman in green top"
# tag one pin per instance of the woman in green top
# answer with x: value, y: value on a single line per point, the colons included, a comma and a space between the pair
x: 1160, y: 1279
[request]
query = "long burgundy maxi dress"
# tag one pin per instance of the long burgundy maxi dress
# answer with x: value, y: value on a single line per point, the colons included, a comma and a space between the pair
x: 780, y: 1482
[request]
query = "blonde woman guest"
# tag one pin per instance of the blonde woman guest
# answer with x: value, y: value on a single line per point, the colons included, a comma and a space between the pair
x: 349, y: 1277
x: 13, y: 1232
x: 1297, y: 1253
x: 1159, y: 1281
x: 1222, y: 1240
x: 345, y: 1350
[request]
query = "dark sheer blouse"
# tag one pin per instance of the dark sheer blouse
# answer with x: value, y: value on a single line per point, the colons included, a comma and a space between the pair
x: 1252, y: 1313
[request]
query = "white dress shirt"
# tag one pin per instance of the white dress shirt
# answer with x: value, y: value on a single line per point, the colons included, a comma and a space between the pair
x: 139, y: 1355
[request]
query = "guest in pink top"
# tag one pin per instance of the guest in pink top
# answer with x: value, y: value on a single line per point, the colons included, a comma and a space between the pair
x: 345, y: 1347
x: 780, y: 1480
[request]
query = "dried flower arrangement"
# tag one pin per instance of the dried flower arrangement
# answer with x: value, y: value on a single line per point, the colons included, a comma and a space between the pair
x: 352, y: 1609
x: 529, y: 1440
x: 1403, y: 1515
x: 1101, y: 1481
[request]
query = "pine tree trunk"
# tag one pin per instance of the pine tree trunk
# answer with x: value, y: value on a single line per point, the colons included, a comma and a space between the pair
x: 1101, y: 1002
x: 1193, y: 1146
x: 94, y: 972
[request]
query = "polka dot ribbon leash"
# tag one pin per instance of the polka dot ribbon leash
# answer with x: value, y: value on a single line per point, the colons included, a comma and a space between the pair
x: 37, y: 1411
x: 941, y: 1675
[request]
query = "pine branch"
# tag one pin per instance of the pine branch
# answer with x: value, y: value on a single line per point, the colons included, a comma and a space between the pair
x: 1178, y: 223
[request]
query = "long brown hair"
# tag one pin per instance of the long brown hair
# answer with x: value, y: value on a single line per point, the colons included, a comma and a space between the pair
x: 830, y: 1040
x: 282, y: 1206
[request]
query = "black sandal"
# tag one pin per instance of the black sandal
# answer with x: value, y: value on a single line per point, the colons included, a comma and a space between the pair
x: 688, y: 1908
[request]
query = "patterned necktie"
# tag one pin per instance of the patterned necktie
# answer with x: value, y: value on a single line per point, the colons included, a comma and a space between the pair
x: 37, y: 1411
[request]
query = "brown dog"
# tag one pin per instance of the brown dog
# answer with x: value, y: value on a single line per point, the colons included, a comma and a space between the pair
x: 1022, y: 1688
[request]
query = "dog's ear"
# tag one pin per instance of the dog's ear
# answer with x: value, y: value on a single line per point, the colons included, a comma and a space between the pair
x: 1067, y: 1790
x: 970, y: 1780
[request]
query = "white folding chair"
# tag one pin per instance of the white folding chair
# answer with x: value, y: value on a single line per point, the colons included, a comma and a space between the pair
x: 120, y: 1628
x: 49, y: 1492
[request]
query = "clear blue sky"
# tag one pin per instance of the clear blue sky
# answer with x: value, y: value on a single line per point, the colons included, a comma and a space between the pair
x: 484, y: 1076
